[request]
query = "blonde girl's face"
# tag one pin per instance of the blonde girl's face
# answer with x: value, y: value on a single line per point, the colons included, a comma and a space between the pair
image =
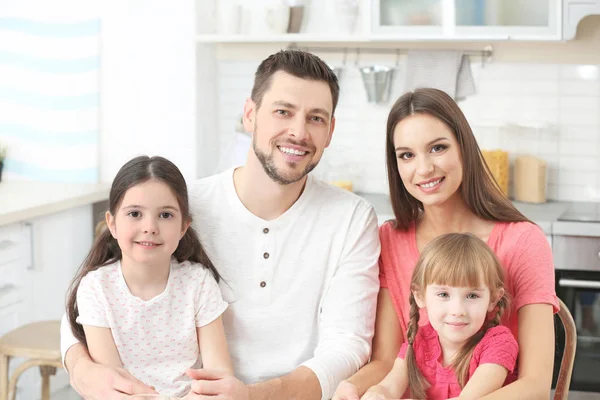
x: 148, y: 224
x: 456, y: 313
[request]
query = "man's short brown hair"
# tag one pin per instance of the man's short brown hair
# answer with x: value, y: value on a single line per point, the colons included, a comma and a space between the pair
x: 298, y: 63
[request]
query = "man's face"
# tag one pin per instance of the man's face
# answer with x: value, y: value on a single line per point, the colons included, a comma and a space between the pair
x: 292, y: 127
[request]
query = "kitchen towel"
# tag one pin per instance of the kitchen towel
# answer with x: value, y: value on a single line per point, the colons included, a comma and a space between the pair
x: 446, y: 70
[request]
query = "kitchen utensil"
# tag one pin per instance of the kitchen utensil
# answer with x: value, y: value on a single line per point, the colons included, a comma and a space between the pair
x: 378, y: 82
x: 296, y: 17
x: 278, y: 18
x: 530, y: 179
x: 347, y: 14
x: 230, y: 20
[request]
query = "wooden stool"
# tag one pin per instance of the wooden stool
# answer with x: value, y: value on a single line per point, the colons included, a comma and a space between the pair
x: 40, y: 343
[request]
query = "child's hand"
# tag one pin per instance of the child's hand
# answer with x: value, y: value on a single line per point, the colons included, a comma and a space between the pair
x: 97, y: 381
x: 346, y: 391
x: 218, y: 383
x: 373, y: 396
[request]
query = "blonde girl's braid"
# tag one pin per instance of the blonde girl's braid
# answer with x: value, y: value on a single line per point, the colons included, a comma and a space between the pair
x: 417, y: 382
x: 462, y: 359
x: 502, y: 305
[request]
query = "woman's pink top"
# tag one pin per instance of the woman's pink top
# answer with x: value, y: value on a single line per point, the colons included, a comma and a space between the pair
x: 498, y: 346
x: 521, y: 247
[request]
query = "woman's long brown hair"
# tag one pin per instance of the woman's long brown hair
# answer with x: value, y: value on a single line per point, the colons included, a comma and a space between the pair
x: 479, y: 189
x: 105, y: 249
x: 459, y: 260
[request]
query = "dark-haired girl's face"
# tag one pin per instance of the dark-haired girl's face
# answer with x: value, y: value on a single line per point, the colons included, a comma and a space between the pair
x: 428, y: 159
x: 147, y: 224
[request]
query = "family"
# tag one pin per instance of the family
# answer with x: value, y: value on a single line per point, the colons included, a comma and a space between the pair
x: 284, y: 286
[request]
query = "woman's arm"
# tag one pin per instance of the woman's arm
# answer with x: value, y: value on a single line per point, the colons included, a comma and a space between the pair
x: 386, y: 345
x: 213, y: 346
x: 536, y: 355
x: 101, y: 346
x: 393, y: 385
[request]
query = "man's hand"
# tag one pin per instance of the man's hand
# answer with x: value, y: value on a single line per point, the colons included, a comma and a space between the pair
x: 219, y: 383
x: 100, y: 382
x: 346, y: 391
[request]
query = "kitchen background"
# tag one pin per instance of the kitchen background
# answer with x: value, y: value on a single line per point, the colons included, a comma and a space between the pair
x: 540, y: 99
x: 86, y: 85
x: 537, y: 97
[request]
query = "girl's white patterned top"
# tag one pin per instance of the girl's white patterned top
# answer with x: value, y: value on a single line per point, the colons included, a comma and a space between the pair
x: 156, y: 339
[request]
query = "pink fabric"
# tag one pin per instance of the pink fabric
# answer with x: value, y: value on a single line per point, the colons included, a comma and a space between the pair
x: 498, y: 346
x: 521, y: 247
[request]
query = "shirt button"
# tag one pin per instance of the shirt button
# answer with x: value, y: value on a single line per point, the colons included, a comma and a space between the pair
x: 266, y: 230
x: 263, y: 284
x: 266, y: 255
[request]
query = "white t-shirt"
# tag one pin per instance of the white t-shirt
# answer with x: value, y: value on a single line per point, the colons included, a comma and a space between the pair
x: 156, y: 339
x: 302, y: 288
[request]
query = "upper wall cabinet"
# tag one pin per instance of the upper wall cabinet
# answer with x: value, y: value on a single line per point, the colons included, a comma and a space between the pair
x: 389, y: 20
x: 468, y: 19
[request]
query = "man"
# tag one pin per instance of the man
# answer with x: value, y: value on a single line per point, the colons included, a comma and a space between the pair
x: 298, y: 257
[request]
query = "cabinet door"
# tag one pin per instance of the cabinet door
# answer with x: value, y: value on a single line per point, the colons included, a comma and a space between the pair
x: 514, y: 19
x: 57, y: 244
x: 468, y: 19
x: 13, y: 260
x: 409, y: 18
x: 60, y: 243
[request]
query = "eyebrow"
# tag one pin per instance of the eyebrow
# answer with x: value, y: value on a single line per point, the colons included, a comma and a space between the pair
x: 428, y: 144
x: 286, y: 104
x: 142, y: 207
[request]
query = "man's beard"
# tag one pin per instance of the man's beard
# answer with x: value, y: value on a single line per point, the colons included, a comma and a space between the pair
x: 268, y: 164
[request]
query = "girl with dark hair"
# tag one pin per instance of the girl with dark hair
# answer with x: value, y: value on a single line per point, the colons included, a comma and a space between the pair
x: 463, y: 350
x: 439, y: 183
x: 146, y: 297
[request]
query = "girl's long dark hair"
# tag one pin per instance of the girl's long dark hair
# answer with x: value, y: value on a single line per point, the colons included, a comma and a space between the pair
x: 479, y: 189
x: 460, y: 260
x: 105, y: 249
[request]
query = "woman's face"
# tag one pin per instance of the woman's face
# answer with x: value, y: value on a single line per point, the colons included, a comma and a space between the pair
x: 428, y: 158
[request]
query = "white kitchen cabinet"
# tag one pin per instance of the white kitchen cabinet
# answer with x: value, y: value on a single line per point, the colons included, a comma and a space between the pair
x: 468, y: 19
x: 38, y: 259
x: 231, y: 21
x: 15, y: 257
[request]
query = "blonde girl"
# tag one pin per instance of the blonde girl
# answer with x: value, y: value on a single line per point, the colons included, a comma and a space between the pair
x: 463, y: 350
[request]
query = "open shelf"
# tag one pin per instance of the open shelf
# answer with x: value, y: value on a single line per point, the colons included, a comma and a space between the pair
x: 284, y: 38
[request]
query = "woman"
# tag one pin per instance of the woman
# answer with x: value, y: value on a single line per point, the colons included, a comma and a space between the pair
x: 440, y: 184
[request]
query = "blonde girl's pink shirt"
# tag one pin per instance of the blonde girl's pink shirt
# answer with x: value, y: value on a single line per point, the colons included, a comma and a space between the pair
x: 521, y: 247
x: 498, y: 346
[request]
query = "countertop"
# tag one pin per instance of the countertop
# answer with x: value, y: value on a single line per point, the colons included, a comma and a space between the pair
x: 545, y: 214
x: 23, y: 200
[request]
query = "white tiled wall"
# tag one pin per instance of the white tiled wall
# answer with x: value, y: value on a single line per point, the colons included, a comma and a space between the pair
x: 548, y: 110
